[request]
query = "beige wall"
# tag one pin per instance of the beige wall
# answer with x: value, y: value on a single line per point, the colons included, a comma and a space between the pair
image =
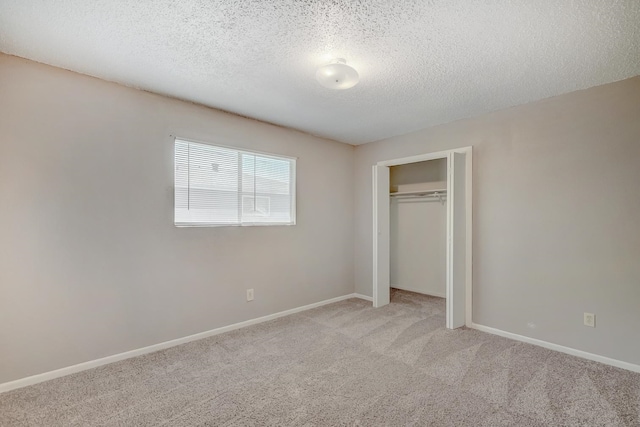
x: 556, y: 215
x: 418, y: 246
x: 90, y: 262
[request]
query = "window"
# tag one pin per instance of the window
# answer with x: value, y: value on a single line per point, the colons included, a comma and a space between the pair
x: 217, y: 186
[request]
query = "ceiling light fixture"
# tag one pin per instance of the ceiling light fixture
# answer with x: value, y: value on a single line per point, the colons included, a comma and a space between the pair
x: 337, y: 75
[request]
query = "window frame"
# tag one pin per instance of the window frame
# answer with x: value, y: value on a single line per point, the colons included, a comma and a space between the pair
x: 292, y: 185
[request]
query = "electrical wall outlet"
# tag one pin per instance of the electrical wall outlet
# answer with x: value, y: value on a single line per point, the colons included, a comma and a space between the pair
x: 590, y: 320
x: 249, y: 294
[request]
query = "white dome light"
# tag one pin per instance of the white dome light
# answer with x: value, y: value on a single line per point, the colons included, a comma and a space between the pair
x: 337, y: 75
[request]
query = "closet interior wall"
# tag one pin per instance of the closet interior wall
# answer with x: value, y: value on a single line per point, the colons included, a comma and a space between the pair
x: 418, y: 229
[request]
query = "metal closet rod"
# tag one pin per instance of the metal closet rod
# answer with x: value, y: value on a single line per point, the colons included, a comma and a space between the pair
x: 439, y: 195
x: 431, y: 193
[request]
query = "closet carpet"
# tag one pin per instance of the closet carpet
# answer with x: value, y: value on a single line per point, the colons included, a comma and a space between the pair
x: 344, y: 364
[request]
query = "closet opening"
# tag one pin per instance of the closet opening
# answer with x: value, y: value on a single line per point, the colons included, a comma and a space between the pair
x: 418, y: 227
x: 422, y: 231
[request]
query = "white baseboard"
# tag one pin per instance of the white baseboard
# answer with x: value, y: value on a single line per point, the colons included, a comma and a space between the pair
x: 364, y: 297
x: 557, y: 347
x: 46, y: 376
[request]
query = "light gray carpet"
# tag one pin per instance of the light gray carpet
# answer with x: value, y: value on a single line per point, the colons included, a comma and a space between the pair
x: 341, y: 364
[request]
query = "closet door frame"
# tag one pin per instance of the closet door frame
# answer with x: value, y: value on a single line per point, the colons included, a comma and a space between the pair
x: 381, y: 245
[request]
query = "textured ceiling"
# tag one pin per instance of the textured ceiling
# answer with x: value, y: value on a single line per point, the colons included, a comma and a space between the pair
x: 421, y: 62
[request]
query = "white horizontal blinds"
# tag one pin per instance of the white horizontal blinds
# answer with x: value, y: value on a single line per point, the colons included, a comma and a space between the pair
x: 221, y: 186
x: 206, y: 184
x: 266, y: 189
